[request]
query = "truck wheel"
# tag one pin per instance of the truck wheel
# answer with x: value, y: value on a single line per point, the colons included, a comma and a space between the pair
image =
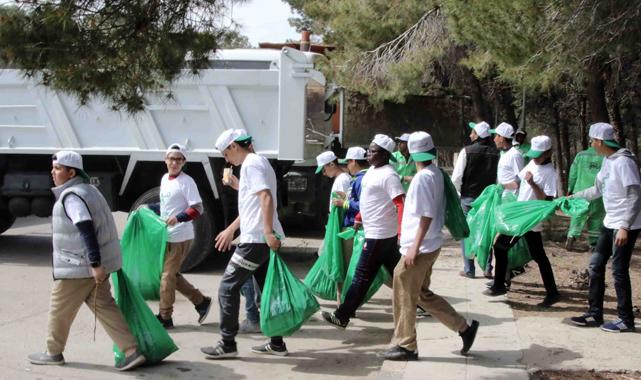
x: 204, y: 229
x: 6, y: 220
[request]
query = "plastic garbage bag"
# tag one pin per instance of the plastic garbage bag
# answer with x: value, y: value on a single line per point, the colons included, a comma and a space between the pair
x: 286, y: 303
x: 359, y: 242
x: 153, y: 340
x: 329, y: 269
x: 480, y: 219
x: 517, y: 218
x: 143, y: 248
x: 455, y: 220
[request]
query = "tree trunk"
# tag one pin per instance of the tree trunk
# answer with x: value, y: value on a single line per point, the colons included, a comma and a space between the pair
x: 566, y: 155
x: 596, y: 93
x: 583, y: 125
x: 558, y: 153
x: 617, y: 122
x: 506, y: 104
x: 480, y: 108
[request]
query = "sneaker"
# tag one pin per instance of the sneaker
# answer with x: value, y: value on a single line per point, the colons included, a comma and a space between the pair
x: 203, y: 309
x: 248, y: 327
x: 220, y: 351
x: 465, y: 274
x: 569, y: 244
x: 516, y: 272
x: 271, y: 349
x: 586, y: 320
x: 488, y: 275
x: 493, y: 292
x: 43, y: 358
x: 617, y: 326
x: 398, y: 353
x: 490, y: 284
x: 332, y: 319
x: 550, y: 300
x: 166, y: 323
x: 420, y: 312
x: 130, y: 362
x: 468, y: 336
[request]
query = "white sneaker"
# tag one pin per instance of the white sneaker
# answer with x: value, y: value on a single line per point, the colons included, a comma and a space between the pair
x: 248, y: 327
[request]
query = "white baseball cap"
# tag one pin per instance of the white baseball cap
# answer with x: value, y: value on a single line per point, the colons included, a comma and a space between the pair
x: 482, y: 129
x: 178, y: 149
x: 385, y: 142
x: 605, y: 132
x: 404, y: 137
x: 505, y: 130
x: 538, y: 146
x: 421, y: 147
x: 229, y: 136
x: 324, y: 159
x: 354, y: 153
x: 70, y: 159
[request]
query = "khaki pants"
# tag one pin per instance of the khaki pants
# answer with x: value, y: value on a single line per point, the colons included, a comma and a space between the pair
x: 411, y: 288
x: 171, y: 279
x: 66, y: 298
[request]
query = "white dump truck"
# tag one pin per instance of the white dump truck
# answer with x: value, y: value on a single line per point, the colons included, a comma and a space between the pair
x: 277, y: 96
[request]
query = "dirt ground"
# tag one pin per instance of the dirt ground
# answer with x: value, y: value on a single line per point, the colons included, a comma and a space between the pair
x: 585, y: 375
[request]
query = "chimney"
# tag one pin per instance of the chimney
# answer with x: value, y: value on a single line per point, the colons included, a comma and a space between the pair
x: 304, y: 41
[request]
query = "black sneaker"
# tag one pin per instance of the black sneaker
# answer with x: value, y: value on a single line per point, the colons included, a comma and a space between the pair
x: 398, y: 353
x: 220, y: 351
x: 203, y: 309
x: 550, y: 300
x: 332, y: 319
x: 468, y: 336
x: 166, y: 323
x: 271, y: 349
x: 43, y: 358
x: 493, y: 292
x: 586, y: 320
x: 130, y: 362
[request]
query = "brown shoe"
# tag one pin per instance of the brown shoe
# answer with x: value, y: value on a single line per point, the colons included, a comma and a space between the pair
x: 464, y: 274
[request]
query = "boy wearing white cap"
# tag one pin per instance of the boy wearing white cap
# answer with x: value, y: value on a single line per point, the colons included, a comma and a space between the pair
x: 85, y: 251
x: 475, y: 169
x: 538, y: 181
x: 356, y: 160
x: 402, y: 162
x: 381, y: 209
x: 421, y: 240
x: 328, y: 164
x: 511, y: 162
x: 180, y: 203
x: 619, y: 184
x: 260, y: 231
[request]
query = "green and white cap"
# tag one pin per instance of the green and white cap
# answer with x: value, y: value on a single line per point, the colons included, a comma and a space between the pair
x: 324, y: 159
x: 538, y: 146
x: 70, y: 159
x: 505, y: 130
x: 229, y: 136
x: 482, y: 129
x: 354, y: 153
x: 605, y: 132
x: 421, y: 147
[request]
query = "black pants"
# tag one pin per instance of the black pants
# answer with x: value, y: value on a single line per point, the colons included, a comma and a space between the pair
x: 621, y: 256
x: 376, y: 253
x: 537, y: 252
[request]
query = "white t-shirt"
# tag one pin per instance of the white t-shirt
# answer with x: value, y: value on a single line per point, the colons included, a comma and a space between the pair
x: 545, y: 177
x: 425, y: 197
x: 615, y: 175
x: 76, y: 209
x: 379, y: 187
x: 510, y: 164
x: 342, y: 183
x: 176, y: 195
x: 256, y: 174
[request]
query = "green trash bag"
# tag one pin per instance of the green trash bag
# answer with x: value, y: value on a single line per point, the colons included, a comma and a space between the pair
x: 286, y: 303
x: 143, y: 247
x: 359, y: 242
x: 153, y: 340
x: 329, y: 269
x: 454, y: 216
x: 517, y: 218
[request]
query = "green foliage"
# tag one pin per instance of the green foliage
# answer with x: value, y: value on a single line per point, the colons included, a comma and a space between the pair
x: 117, y: 50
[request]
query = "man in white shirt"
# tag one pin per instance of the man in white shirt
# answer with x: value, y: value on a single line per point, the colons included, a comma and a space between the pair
x: 511, y: 161
x: 475, y: 169
x: 328, y: 164
x: 180, y: 204
x: 260, y: 231
x: 421, y: 240
x: 619, y: 184
x: 538, y: 181
x: 381, y: 209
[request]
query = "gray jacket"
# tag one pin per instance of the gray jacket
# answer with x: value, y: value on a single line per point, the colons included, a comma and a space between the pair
x: 70, y: 256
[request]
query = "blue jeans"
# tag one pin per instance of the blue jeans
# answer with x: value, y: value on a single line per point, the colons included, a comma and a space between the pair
x: 468, y: 264
x: 621, y: 256
x: 251, y: 309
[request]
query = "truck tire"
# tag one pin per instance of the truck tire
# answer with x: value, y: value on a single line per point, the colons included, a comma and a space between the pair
x: 6, y: 220
x: 204, y: 229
